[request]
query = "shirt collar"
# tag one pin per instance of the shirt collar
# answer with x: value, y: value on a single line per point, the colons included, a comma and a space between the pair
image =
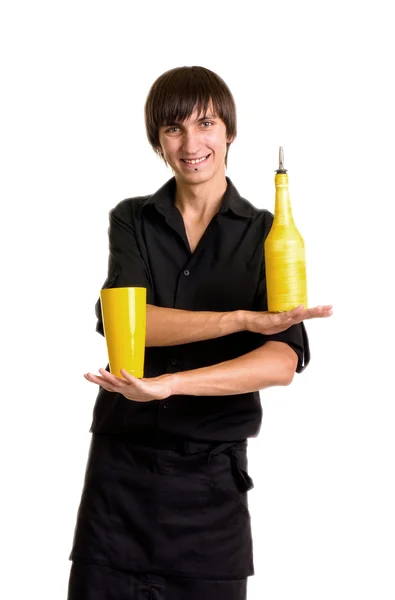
x: 163, y: 200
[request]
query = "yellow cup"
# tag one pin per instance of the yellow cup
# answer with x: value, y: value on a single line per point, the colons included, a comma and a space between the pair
x: 124, y: 323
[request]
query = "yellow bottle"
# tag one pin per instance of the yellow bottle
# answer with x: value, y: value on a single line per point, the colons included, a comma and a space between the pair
x: 284, y: 251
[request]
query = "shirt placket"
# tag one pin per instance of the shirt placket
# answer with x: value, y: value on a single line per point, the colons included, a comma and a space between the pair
x: 182, y: 292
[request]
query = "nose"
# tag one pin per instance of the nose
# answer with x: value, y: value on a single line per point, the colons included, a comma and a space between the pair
x: 191, y: 142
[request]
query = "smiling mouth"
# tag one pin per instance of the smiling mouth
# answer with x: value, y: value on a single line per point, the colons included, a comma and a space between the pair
x: 195, y: 161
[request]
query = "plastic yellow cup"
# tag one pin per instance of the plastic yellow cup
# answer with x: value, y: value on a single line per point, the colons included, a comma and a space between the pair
x: 124, y: 324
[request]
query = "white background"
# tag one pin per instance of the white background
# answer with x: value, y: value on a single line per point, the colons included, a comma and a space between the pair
x: 314, y: 77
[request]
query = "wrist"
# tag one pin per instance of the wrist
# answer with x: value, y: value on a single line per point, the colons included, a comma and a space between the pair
x: 175, y: 384
x: 244, y: 319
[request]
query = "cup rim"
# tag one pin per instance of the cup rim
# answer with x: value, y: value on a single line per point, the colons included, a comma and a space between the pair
x: 130, y: 287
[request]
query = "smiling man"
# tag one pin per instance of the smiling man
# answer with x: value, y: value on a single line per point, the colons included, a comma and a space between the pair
x: 164, y: 510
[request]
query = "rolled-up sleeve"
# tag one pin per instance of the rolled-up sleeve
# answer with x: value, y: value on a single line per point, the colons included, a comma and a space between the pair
x: 126, y: 266
x: 296, y: 337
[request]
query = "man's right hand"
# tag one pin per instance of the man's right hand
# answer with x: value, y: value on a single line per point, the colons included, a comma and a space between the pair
x: 269, y: 323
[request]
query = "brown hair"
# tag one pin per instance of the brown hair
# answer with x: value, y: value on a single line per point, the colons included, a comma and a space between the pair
x: 175, y: 95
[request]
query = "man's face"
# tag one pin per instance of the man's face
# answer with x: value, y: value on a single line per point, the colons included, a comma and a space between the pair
x: 196, y: 148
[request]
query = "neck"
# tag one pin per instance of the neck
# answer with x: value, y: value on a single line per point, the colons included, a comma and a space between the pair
x: 200, y: 201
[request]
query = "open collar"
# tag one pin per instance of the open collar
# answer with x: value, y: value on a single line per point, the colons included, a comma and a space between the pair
x: 163, y: 200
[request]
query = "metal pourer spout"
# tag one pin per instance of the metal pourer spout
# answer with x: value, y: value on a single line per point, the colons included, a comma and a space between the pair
x: 281, y: 161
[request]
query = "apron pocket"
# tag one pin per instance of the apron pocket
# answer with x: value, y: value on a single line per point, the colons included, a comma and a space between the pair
x: 228, y: 537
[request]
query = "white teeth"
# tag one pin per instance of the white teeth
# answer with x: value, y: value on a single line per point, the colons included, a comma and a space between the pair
x: 194, y: 162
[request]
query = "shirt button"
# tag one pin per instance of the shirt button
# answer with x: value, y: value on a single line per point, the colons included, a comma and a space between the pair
x: 186, y: 272
x: 174, y: 361
x: 165, y: 405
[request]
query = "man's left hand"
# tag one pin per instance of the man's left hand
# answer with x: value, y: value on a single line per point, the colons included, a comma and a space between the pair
x: 133, y: 388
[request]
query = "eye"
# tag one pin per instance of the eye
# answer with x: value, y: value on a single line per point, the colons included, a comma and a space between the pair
x: 172, y: 129
x: 207, y: 124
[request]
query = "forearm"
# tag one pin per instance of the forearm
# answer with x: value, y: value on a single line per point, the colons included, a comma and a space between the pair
x: 271, y: 365
x: 170, y: 326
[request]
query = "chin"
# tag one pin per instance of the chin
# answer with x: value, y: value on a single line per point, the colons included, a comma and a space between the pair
x: 197, y: 177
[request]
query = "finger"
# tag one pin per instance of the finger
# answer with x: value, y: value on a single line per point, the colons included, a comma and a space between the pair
x: 319, y: 311
x: 290, y: 315
x: 99, y: 381
x: 113, y: 379
x: 297, y: 309
x: 328, y: 308
x: 129, y: 377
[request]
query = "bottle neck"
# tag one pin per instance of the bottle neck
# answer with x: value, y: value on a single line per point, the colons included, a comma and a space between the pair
x: 282, y: 210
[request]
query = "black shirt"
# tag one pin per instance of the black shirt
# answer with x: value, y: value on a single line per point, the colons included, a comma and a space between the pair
x: 149, y: 248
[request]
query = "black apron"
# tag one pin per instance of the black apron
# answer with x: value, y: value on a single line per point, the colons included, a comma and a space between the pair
x: 93, y: 582
x: 170, y: 508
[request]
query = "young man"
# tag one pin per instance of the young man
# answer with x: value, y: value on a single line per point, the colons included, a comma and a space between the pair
x: 164, y: 511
